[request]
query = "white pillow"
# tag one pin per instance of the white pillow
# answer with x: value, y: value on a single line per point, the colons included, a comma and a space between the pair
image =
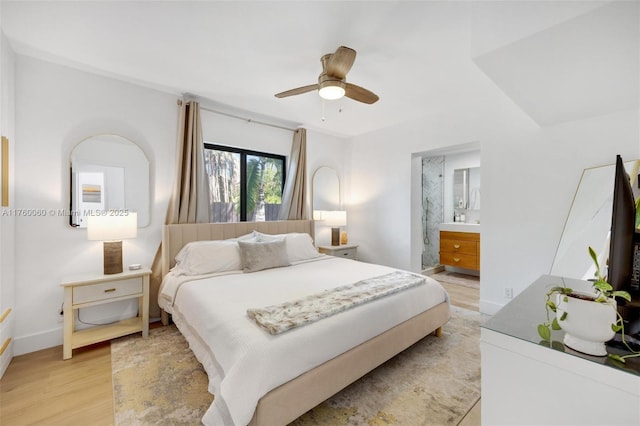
x: 251, y: 236
x: 299, y: 245
x: 206, y: 257
x: 263, y: 255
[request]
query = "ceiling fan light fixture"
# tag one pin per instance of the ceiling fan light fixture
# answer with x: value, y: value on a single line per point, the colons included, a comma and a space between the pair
x: 331, y: 90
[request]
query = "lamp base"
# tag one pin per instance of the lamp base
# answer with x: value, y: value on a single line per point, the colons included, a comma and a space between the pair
x: 335, y: 236
x: 343, y: 237
x: 112, y: 257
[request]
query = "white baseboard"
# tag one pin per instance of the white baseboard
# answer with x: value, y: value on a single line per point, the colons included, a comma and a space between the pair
x: 489, y: 308
x: 37, y: 342
x: 43, y: 340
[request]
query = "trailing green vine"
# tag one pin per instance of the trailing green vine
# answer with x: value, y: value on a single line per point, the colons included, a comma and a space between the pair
x: 604, y: 293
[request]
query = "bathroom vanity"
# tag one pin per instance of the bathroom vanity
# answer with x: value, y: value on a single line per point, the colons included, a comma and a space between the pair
x: 460, y: 245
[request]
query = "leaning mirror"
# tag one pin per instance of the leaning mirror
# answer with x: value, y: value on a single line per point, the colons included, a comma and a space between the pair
x: 588, y: 223
x: 326, y: 189
x: 108, y: 172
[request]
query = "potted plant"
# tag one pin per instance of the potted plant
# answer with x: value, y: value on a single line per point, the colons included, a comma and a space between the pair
x: 589, y: 319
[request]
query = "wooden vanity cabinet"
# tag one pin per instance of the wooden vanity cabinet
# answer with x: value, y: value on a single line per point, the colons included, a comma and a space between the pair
x: 460, y: 249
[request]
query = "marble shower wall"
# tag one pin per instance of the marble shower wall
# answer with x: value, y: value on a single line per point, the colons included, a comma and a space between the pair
x: 432, y: 209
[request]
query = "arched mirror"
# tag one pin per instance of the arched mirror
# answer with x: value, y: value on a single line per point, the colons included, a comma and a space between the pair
x: 108, y: 172
x: 588, y: 222
x: 326, y: 189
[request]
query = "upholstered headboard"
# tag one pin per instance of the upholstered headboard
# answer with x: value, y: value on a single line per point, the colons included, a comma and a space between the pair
x: 174, y: 237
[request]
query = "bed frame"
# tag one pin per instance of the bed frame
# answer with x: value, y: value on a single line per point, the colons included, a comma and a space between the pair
x: 294, y: 398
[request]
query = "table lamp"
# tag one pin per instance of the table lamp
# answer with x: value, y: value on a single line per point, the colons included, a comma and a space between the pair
x: 335, y: 219
x: 112, y: 230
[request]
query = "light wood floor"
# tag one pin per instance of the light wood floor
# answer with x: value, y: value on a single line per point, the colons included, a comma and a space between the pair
x: 468, y: 297
x: 41, y: 389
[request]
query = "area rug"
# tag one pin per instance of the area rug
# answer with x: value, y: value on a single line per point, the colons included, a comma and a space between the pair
x: 434, y: 382
x: 157, y: 381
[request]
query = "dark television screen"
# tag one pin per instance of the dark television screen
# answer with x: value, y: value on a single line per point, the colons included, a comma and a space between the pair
x: 623, y: 221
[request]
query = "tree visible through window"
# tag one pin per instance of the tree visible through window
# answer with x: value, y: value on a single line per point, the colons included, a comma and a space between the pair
x: 245, y: 185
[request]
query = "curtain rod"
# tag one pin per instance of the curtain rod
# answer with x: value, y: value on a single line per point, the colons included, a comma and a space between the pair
x: 248, y: 120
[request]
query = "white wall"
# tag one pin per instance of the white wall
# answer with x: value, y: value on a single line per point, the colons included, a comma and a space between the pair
x: 7, y: 222
x: 529, y: 176
x: 57, y: 107
x: 329, y: 151
x: 528, y: 186
x: 322, y: 150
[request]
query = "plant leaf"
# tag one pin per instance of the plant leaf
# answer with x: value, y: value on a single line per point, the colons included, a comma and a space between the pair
x: 616, y: 327
x: 555, y: 325
x: 551, y: 305
x: 594, y: 257
x: 602, y: 286
x: 544, y: 332
x: 563, y: 317
x: 622, y: 294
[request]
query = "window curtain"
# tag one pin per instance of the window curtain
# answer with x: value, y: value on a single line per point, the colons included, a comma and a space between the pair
x: 294, y: 198
x: 189, y: 201
x: 190, y: 198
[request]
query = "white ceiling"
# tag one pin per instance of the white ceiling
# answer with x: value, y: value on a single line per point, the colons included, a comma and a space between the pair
x: 417, y: 56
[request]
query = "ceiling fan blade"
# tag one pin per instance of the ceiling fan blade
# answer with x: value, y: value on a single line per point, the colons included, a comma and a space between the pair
x: 360, y: 94
x: 297, y: 91
x: 340, y: 62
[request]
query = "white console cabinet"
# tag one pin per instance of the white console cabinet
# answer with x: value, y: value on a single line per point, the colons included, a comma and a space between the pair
x: 527, y: 382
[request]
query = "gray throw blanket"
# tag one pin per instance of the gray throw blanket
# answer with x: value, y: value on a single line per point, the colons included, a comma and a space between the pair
x: 285, y: 316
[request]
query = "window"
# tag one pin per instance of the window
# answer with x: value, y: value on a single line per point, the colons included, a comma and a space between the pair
x: 245, y: 185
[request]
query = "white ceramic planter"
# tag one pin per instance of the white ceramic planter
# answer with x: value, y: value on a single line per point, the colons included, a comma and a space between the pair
x: 588, y: 324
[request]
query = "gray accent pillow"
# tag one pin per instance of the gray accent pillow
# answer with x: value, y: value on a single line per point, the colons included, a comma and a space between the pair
x: 256, y: 256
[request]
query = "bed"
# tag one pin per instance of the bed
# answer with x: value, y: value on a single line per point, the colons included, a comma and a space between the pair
x: 260, y: 378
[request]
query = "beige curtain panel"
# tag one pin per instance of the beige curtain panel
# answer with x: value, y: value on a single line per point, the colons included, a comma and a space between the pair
x: 294, y: 198
x: 189, y: 201
x: 190, y: 198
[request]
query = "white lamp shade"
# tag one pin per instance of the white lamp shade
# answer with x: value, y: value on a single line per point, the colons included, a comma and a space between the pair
x: 112, y: 228
x: 335, y: 218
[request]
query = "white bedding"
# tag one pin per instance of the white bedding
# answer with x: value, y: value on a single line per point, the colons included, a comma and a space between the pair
x: 243, y: 361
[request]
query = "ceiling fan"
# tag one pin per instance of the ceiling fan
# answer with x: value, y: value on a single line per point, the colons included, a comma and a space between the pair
x: 332, y: 83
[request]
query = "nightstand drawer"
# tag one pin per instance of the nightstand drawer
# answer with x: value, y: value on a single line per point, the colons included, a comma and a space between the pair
x: 106, y: 290
x: 347, y: 253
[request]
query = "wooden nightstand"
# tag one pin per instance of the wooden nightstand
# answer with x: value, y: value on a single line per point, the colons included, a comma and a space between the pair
x: 92, y: 290
x: 348, y: 251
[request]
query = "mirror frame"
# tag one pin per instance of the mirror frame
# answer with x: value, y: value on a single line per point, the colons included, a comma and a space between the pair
x: 588, y: 225
x: 314, y: 190
x: 143, y: 179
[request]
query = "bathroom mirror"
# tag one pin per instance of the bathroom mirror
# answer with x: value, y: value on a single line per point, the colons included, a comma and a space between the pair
x: 325, y: 189
x: 466, y: 188
x: 588, y: 222
x: 108, y: 172
x: 473, y: 200
x: 460, y: 188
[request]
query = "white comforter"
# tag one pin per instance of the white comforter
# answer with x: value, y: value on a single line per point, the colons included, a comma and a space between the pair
x: 243, y: 361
